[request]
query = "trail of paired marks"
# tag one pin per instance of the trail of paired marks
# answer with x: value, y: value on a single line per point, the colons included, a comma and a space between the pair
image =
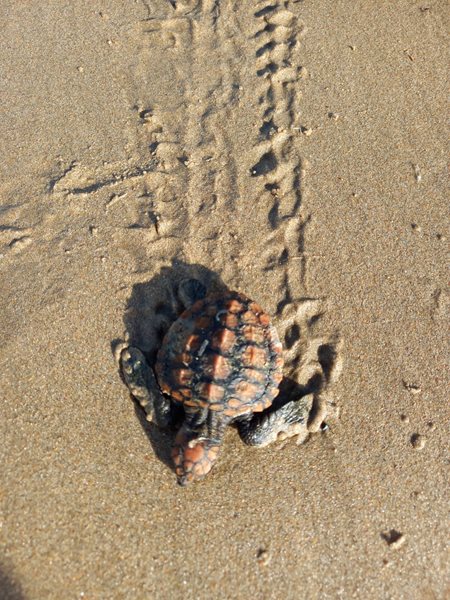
x: 242, y: 194
x: 312, y: 353
x: 279, y: 171
x: 217, y: 178
x: 203, y: 51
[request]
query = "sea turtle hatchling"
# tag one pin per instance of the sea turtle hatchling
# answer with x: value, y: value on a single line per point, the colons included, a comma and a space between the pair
x: 221, y: 362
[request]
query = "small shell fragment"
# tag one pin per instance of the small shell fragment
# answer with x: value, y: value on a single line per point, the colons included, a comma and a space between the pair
x: 394, y: 539
x: 418, y: 441
x: 417, y: 173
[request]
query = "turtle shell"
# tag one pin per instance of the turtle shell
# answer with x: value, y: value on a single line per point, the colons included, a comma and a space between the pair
x: 222, y: 354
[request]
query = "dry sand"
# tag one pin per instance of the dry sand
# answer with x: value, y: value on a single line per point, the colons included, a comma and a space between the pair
x: 142, y: 141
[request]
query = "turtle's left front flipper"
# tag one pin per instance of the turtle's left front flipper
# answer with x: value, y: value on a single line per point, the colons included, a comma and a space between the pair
x: 291, y: 419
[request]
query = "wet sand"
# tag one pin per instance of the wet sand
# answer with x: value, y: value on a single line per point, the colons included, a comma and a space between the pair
x: 295, y: 151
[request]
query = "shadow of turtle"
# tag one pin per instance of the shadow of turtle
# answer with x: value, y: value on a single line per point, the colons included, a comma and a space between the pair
x: 151, y: 309
x: 161, y: 440
x: 154, y: 305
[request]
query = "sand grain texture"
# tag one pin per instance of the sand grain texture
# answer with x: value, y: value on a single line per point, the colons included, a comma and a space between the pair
x: 295, y: 151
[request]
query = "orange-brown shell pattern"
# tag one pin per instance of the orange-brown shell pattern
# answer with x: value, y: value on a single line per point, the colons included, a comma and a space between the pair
x: 223, y: 354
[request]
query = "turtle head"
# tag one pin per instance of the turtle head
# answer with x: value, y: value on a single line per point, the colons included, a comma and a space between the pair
x: 193, y: 457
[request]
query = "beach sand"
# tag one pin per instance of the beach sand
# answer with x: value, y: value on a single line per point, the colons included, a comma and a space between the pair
x: 295, y: 151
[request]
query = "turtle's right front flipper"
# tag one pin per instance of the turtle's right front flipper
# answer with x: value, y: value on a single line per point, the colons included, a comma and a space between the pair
x: 142, y: 384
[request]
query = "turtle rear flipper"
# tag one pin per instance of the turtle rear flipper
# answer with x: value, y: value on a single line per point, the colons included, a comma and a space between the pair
x: 189, y: 291
x: 142, y: 384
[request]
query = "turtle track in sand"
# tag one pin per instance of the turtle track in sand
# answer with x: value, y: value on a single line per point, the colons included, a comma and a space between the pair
x: 242, y: 196
x: 216, y: 175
